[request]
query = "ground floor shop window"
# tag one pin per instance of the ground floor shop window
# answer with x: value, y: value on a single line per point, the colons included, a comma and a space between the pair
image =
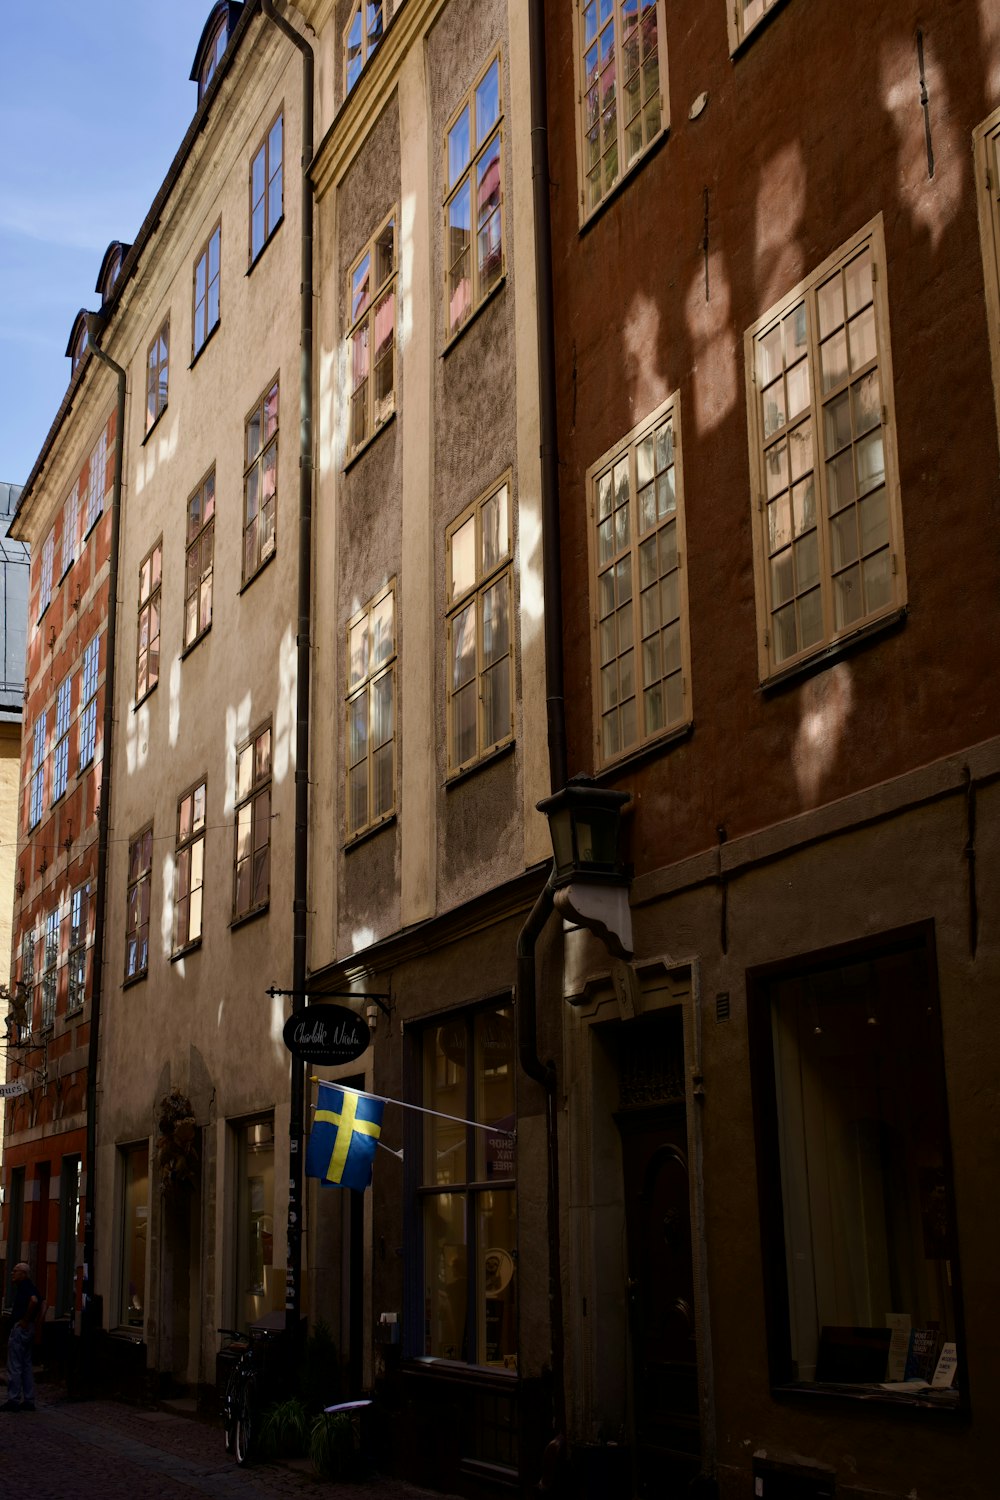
x: 69, y: 1236
x: 859, y: 1230
x: 258, y: 1289
x: 466, y: 1193
x: 135, y: 1237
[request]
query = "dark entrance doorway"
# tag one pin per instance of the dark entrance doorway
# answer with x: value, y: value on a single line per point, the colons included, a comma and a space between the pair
x: 653, y: 1127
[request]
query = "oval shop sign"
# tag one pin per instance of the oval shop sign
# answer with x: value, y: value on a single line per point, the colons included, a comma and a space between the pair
x: 326, y: 1034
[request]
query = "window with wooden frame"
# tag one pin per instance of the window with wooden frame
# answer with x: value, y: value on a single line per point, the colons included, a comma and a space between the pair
x: 827, y: 524
x: 371, y: 714
x: 473, y: 205
x: 206, y: 290
x: 60, y: 749
x: 157, y: 362
x: 71, y: 526
x: 252, y: 857
x: 622, y: 63
x: 641, y: 670
x: 147, y: 651
x: 189, y: 861
x: 199, y: 561
x: 361, y: 37
x: 28, y: 944
x: 36, y: 786
x: 97, y: 475
x: 213, y: 52
x: 260, y: 483
x: 140, y: 876
x: 79, y: 937
x: 371, y: 338
x: 46, y: 569
x: 87, y: 731
x: 266, y: 187
x: 479, y: 694
x: 50, y: 967
x: 742, y: 16
x: 986, y: 144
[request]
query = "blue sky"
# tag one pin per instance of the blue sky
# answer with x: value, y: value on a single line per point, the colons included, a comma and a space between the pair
x: 95, y: 101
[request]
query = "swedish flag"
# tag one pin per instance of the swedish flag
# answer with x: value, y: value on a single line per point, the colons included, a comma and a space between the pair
x: 344, y: 1137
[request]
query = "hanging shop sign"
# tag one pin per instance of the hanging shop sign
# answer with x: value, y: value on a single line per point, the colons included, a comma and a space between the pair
x: 13, y: 1090
x: 326, y: 1035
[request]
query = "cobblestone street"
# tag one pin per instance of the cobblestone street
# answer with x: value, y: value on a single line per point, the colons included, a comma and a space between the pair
x: 72, y: 1450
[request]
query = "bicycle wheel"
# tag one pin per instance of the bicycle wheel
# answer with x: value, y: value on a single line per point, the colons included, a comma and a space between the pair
x: 244, y: 1424
x: 229, y: 1413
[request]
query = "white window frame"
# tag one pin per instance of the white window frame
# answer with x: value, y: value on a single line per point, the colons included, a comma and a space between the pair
x: 139, y: 893
x: 247, y: 812
x: 60, y: 748
x: 79, y: 942
x: 87, y: 723
x: 50, y: 966
x: 158, y: 375
x: 368, y: 11
x: 202, y: 320
x: 97, y: 474
x: 363, y: 679
x: 199, y: 561
x: 452, y: 189
x: 736, y: 21
x: 71, y: 523
x: 45, y: 572
x: 374, y: 414
x: 36, y: 786
x: 265, y: 536
x: 190, y: 851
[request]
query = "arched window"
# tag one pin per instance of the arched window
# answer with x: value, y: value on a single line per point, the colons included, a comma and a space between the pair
x: 214, y: 40
x: 363, y: 34
x: 77, y: 346
x: 111, y: 265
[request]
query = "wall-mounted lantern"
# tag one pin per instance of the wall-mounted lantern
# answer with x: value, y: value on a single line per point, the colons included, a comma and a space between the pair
x: 590, y: 881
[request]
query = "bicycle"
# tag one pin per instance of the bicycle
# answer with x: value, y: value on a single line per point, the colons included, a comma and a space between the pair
x: 241, y: 1401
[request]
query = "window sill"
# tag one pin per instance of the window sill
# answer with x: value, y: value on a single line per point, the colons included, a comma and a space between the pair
x: 42, y: 613
x: 86, y: 534
x: 153, y: 425
x: 749, y: 37
x: 250, y: 916
x: 625, y: 180
x: 945, y: 1403
x: 828, y: 655
x: 357, y: 839
x: 137, y: 978
x: 434, y: 1368
x: 453, y: 338
x: 85, y: 766
x: 464, y: 772
x: 180, y: 953
x: 247, y: 582
x: 197, y: 640
x: 360, y: 451
x: 145, y: 697
x: 271, y: 233
x: 66, y: 572
x: 71, y: 1014
x: 644, y: 753
x: 204, y: 344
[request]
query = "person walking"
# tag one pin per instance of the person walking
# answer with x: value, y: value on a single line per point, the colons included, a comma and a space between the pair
x: 24, y: 1310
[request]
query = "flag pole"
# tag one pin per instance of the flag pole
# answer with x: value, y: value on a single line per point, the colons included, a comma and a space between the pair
x: 438, y: 1115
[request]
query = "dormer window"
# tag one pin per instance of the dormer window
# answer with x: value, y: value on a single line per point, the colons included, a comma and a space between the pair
x: 77, y: 346
x: 213, y: 54
x: 364, y: 32
x: 111, y: 265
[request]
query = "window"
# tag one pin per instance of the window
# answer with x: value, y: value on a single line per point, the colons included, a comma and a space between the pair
x: 213, y: 53
x: 28, y: 975
x: 853, y: 1166
x: 986, y: 139
x: 266, y: 202
x: 71, y: 523
x: 60, y: 752
x: 466, y: 1191
x: 97, y: 480
x: 641, y: 664
x: 190, y: 861
x: 199, y: 561
x: 827, y: 523
x: 364, y: 32
x: 79, y: 925
x: 78, y: 346
x: 372, y: 336
x: 87, y: 732
x: 156, y: 375
x: 260, y: 484
x: 371, y: 729
x: 472, y: 206
x: 135, y: 1222
x: 743, y: 16
x: 140, y: 875
x: 252, y: 860
x: 69, y: 1236
x: 479, y: 696
x: 50, y: 967
x: 45, y: 573
x: 147, y: 651
x: 206, y: 290
x: 15, y: 1224
x: 36, y: 791
x: 622, y: 101
x: 259, y: 1289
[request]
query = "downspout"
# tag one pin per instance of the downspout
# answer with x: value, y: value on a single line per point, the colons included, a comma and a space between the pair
x: 92, y: 1312
x: 555, y: 1456
x: 293, y: 1287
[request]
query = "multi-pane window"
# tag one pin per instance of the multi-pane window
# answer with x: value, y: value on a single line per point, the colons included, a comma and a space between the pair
x: 60, y: 750
x: 828, y: 527
x: 140, y: 875
x: 371, y: 339
x: 50, y: 967
x: 641, y: 668
x: 190, y: 862
x: 206, y: 290
x: 743, y: 17
x: 479, y: 687
x: 623, y: 54
x: 987, y: 149
x: 364, y: 32
x: 213, y: 53
x: 71, y: 521
x: 96, y: 480
x: 87, y: 732
x: 79, y: 924
x: 28, y: 973
x: 467, y: 1191
x: 473, y: 228
x: 260, y: 483
x: 147, y: 651
x: 36, y: 789
x: 371, y: 745
x: 45, y: 573
x: 199, y: 561
x: 252, y: 861
x: 266, y: 202
x: 157, y: 359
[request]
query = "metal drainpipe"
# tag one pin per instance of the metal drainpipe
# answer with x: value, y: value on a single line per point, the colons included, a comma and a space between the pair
x: 293, y: 1286
x: 92, y: 1318
x: 553, y: 1463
